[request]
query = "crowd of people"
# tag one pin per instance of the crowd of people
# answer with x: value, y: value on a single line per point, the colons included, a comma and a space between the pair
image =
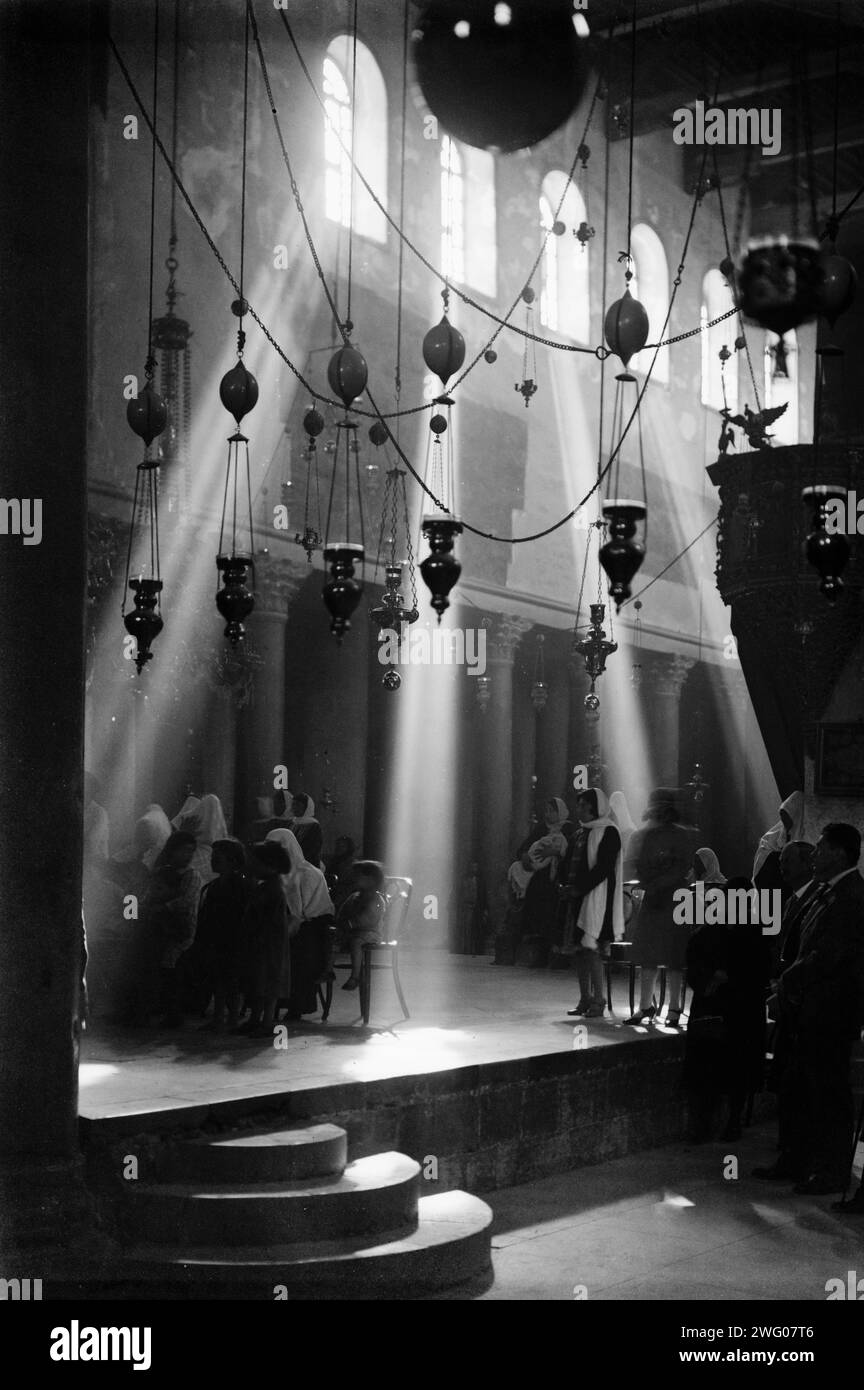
x: 187, y: 920
x: 796, y: 995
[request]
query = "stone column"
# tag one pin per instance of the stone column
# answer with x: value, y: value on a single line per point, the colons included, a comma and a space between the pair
x: 43, y: 300
x: 495, y: 748
x: 666, y: 675
x: 262, y: 725
x: 553, y: 739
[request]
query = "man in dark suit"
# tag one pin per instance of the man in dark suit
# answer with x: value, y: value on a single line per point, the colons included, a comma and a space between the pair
x: 796, y: 872
x: 821, y: 998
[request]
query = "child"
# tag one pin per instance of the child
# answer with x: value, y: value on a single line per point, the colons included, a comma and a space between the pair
x: 361, y: 916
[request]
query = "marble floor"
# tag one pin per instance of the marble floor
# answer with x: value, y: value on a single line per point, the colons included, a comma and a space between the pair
x: 464, y: 1011
x: 678, y: 1223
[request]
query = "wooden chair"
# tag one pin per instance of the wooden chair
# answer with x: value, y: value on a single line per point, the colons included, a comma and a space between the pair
x: 377, y: 955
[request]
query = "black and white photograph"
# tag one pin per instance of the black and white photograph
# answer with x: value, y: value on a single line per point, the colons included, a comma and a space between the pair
x: 432, y: 666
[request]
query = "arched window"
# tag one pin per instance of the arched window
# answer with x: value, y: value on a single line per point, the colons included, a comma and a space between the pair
x: 452, y: 212
x: 564, y: 302
x: 781, y: 384
x: 367, y: 108
x: 650, y: 285
x: 717, y: 299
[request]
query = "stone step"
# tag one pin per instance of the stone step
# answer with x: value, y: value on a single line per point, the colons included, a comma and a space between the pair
x: 449, y: 1245
x: 283, y: 1155
x: 372, y: 1195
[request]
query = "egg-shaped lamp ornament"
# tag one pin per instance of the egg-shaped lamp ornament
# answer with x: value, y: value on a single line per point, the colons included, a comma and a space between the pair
x: 621, y: 556
x: 440, y: 569
x: 779, y: 284
x: 342, y: 592
x: 235, y: 600
x: 836, y: 294
x: 144, y: 623
x: 147, y: 414
x: 238, y: 391
x: 378, y: 433
x: 827, y: 551
x: 444, y: 350
x: 347, y: 374
x: 626, y: 327
x: 313, y: 422
x: 500, y: 77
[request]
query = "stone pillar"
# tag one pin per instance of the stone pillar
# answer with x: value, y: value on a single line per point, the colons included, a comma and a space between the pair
x: 219, y: 750
x: 262, y: 741
x: 666, y: 675
x: 553, y: 730
x: 495, y: 766
x: 44, y: 83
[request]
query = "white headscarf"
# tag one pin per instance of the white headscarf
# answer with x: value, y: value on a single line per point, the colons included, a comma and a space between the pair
x: 189, y: 805
x: 593, y: 908
x: 305, y: 886
x: 620, y: 813
x: 206, y: 821
x: 563, y: 813
x: 308, y: 816
x: 774, y: 839
x: 519, y: 878
x: 713, y: 872
x: 151, y: 832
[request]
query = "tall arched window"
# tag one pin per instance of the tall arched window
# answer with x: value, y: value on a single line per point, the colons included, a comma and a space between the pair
x: 717, y: 299
x: 564, y: 302
x: 452, y: 212
x: 781, y: 384
x: 650, y: 285
x: 366, y: 109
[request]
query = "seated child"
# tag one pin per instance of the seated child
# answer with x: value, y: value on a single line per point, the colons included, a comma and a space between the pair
x: 361, y: 916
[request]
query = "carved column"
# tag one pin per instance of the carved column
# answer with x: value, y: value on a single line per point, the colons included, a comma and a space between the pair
x: 667, y: 674
x: 262, y: 741
x: 495, y: 745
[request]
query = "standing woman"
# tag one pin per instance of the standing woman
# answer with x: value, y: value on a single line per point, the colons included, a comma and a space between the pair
x: 790, y: 826
x: 170, y: 910
x: 660, y: 856
x: 268, y: 938
x: 311, y: 908
x: 545, y: 851
x: 207, y: 823
x: 594, y: 888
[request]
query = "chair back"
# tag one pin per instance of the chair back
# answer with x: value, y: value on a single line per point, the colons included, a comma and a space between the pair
x: 397, y: 896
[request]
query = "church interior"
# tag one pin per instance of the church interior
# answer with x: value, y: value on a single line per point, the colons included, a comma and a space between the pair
x: 439, y: 411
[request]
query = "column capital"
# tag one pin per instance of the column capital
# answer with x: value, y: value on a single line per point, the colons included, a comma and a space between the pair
x: 506, y: 631
x: 668, y: 673
x: 277, y: 584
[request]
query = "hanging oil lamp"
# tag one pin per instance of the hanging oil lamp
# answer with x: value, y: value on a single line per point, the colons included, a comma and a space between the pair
x: 440, y: 569
x: 528, y: 385
x: 827, y: 552
x: 838, y: 288
x: 343, y: 591
x: 595, y: 648
x: 238, y: 391
x: 347, y: 374
x: 778, y: 283
x: 621, y: 556
x: 625, y: 327
x: 310, y: 537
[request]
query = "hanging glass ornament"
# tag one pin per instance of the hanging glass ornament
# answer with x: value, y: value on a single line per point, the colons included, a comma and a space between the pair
x: 836, y: 293
x: 146, y: 413
x: 490, y: 356
x: 626, y: 327
x: 778, y: 284
x: 500, y: 77
x: 621, y: 556
x: 528, y: 385
x: 238, y: 391
x: 827, y: 552
x: 539, y: 686
x: 342, y: 592
x: 347, y: 374
x: 391, y: 680
x: 440, y: 569
x: 391, y: 614
x: 444, y: 346
x: 595, y: 648
x: 145, y: 623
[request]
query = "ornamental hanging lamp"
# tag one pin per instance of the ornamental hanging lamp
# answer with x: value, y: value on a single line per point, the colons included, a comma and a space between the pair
x: 528, y: 385
x: 347, y: 374
x: 147, y: 417
x: 636, y: 667
x: 595, y: 647
x: 310, y: 537
x: 443, y: 353
x: 171, y: 336
x: 238, y: 391
x: 827, y: 552
x: 392, y: 614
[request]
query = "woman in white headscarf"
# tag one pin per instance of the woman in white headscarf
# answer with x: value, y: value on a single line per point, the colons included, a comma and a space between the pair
x: 790, y: 826
x: 206, y: 822
x: 706, y: 868
x: 310, y: 904
x: 189, y: 805
x: 624, y: 822
x: 306, y: 828
x: 594, y: 890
